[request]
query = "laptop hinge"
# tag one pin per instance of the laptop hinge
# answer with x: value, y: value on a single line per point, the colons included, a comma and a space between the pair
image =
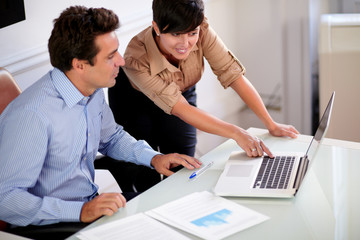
x: 304, y: 163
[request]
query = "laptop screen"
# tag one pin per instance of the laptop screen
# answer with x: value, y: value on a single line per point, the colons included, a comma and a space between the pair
x: 321, y: 130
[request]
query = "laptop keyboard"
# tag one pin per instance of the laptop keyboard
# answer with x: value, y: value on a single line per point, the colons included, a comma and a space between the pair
x: 275, y: 172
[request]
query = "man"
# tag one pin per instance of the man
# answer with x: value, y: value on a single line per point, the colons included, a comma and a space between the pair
x: 51, y: 133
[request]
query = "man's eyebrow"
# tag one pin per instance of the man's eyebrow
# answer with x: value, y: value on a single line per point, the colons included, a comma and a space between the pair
x: 113, y: 52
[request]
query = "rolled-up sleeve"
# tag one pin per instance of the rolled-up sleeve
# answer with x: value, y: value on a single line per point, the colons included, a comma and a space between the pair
x: 223, y: 63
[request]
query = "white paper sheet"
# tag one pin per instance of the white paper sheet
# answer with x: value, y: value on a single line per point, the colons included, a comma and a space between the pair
x: 206, y: 215
x: 135, y: 227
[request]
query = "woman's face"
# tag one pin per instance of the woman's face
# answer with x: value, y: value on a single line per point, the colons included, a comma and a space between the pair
x: 174, y: 45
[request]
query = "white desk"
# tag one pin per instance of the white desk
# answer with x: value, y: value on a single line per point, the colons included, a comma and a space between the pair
x: 324, y: 208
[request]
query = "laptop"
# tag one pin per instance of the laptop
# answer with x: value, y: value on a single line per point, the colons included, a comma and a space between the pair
x: 278, y: 177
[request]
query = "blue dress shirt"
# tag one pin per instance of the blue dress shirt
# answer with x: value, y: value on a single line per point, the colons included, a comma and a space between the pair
x: 49, y: 138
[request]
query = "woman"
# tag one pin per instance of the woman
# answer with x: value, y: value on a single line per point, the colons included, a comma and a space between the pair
x: 163, y: 64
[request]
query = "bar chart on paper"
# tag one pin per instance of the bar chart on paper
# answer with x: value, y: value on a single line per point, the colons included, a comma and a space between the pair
x: 214, y: 219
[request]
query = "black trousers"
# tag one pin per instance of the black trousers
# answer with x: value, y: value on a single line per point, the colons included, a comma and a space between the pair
x: 57, y: 231
x: 145, y: 121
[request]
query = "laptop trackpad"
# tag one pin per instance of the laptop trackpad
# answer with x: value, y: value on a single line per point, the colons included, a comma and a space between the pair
x: 239, y: 170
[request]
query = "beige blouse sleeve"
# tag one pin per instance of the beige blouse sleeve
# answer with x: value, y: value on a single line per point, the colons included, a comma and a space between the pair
x: 223, y: 63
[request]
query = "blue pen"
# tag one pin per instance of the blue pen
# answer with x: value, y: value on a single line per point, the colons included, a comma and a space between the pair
x: 202, y: 170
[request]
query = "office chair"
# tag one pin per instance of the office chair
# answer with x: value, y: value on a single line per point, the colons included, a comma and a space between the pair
x: 9, y: 90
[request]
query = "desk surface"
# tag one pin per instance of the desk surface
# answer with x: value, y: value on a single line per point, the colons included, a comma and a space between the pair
x: 326, y: 206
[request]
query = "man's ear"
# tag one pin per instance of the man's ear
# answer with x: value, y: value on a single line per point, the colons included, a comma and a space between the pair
x: 77, y: 64
x: 156, y: 28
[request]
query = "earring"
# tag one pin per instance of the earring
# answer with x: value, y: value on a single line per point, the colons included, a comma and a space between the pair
x: 158, y: 34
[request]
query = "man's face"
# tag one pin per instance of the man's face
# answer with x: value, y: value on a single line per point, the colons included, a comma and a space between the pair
x: 106, y: 64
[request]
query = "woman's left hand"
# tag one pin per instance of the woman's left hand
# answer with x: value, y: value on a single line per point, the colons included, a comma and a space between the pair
x: 283, y: 130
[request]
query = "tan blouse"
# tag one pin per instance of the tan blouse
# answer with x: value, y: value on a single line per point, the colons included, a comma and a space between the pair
x: 151, y: 73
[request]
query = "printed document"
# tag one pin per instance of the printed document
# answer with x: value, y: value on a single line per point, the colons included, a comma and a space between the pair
x: 207, y: 216
x: 135, y: 227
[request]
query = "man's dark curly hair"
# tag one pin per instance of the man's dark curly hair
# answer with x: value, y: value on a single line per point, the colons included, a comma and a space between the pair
x: 74, y: 33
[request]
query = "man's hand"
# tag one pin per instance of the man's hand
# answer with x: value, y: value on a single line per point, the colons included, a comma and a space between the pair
x: 104, y: 204
x: 162, y: 163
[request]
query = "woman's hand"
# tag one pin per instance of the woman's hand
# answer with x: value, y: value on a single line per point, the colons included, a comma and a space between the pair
x: 283, y: 130
x: 252, y: 145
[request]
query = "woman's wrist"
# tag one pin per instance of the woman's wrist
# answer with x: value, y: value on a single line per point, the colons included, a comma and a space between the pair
x: 236, y: 132
x: 270, y: 125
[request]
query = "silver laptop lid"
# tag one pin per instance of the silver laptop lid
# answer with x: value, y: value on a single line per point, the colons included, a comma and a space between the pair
x: 321, y: 130
x: 306, y: 161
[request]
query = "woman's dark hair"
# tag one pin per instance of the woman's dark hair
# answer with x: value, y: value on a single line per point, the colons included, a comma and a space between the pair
x: 178, y: 16
x: 74, y: 33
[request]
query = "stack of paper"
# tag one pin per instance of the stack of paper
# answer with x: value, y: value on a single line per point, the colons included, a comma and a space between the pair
x: 201, y: 213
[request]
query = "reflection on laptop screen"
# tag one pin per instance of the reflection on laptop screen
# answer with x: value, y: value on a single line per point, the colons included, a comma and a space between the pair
x: 321, y: 130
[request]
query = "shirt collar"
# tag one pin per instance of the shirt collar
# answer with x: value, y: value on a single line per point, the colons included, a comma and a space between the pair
x: 157, y: 61
x: 66, y: 88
